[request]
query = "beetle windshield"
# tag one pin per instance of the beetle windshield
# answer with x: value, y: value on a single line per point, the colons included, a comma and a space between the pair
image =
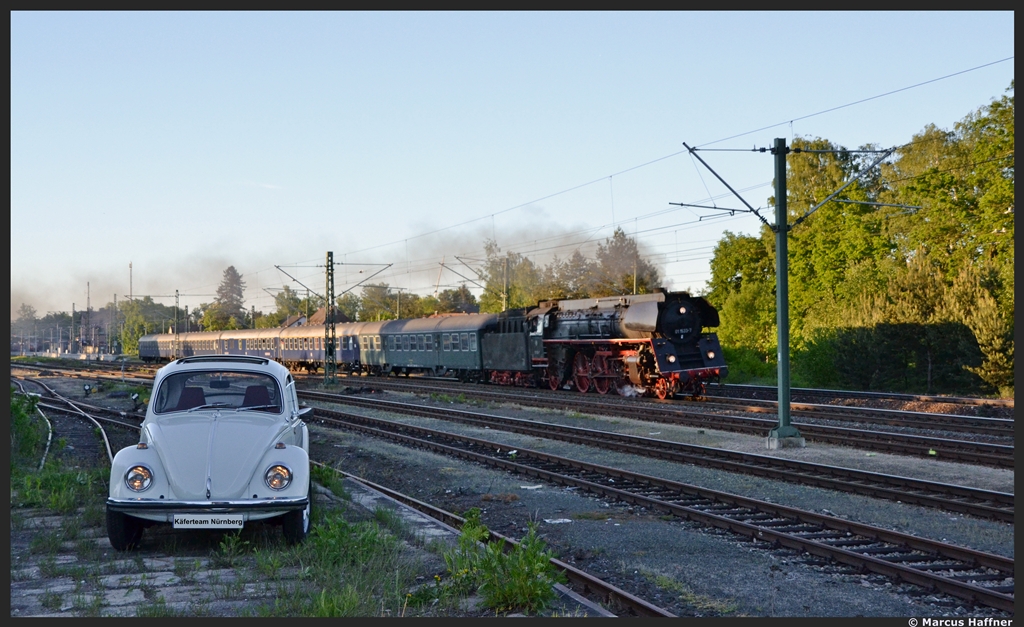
x: 218, y: 389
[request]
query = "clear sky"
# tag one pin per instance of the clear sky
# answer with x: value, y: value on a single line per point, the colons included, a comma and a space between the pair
x: 182, y: 143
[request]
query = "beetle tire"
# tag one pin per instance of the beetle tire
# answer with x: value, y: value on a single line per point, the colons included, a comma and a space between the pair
x: 124, y: 531
x: 295, y: 524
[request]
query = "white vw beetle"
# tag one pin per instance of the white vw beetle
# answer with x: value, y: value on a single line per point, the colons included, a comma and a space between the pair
x: 223, y: 442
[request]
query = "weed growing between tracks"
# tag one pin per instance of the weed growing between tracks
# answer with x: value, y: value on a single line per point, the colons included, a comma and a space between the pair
x: 521, y: 579
x: 342, y: 569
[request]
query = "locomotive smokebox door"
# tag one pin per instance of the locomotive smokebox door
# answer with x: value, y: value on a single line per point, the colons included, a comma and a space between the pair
x: 680, y: 321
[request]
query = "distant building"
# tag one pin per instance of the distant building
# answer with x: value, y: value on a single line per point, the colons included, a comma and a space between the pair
x: 321, y: 315
x: 294, y: 321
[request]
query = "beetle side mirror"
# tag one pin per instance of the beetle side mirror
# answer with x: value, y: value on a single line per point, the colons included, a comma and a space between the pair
x: 306, y: 413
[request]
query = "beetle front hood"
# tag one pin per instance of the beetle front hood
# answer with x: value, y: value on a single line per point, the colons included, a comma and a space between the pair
x: 223, y: 446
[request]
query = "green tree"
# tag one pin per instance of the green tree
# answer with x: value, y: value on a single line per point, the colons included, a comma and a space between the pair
x: 230, y: 301
x: 622, y: 269
x: 969, y: 300
x: 349, y: 304
x: 215, y: 318
x: 288, y: 303
x: 27, y: 314
x: 457, y: 300
x: 511, y: 280
x: 378, y: 302
x: 837, y: 251
x: 142, y: 316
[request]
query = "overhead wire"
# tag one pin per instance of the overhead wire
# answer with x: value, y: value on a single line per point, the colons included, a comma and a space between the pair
x: 674, y: 154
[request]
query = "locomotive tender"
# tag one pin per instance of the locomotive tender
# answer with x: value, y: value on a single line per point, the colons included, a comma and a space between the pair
x: 653, y: 344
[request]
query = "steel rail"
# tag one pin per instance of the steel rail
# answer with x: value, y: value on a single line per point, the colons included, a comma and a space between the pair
x: 962, y: 499
x: 982, y: 453
x: 997, y: 427
x: 901, y: 556
x: 955, y: 400
x: 893, y: 417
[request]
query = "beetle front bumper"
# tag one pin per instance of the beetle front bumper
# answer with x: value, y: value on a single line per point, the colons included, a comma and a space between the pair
x: 253, y: 506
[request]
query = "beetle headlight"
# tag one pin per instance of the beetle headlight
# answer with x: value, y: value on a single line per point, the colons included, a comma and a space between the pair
x: 278, y: 477
x: 138, y: 478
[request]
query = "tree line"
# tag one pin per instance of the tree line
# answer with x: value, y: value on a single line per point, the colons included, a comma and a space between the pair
x: 917, y: 297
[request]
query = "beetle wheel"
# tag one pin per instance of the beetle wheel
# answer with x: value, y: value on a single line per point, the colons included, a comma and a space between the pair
x: 295, y: 524
x: 124, y: 531
x: 581, y: 372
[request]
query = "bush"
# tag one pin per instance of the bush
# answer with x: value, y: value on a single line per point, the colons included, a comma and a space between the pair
x: 28, y: 432
x: 522, y: 578
x: 749, y: 366
x: 814, y: 366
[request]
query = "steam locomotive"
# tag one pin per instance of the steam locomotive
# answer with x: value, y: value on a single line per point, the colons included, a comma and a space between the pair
x: 648, y: 344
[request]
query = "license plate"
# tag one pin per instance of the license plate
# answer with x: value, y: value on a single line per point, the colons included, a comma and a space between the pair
x: 207, y: 521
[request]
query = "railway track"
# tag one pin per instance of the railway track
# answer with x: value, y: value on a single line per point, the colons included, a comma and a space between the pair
x: 968, y: 451
x: 770, y: 392
x: 999, y: 427
x: 974, y: 576
x: 996, y: 428
x: 88, y: 422
x: 961, y: 499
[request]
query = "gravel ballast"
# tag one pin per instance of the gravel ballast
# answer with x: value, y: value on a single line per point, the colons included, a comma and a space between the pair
x: 690, y: 569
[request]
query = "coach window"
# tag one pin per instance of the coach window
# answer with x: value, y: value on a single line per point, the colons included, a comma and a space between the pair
x: 445, y: 341
x: 465, y: 341
x: 472, y: 342
x: 405, y: 342
x: 430, y: 342
x: 419, y: 343
x: 455, y: 342
x: 391, y: 342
